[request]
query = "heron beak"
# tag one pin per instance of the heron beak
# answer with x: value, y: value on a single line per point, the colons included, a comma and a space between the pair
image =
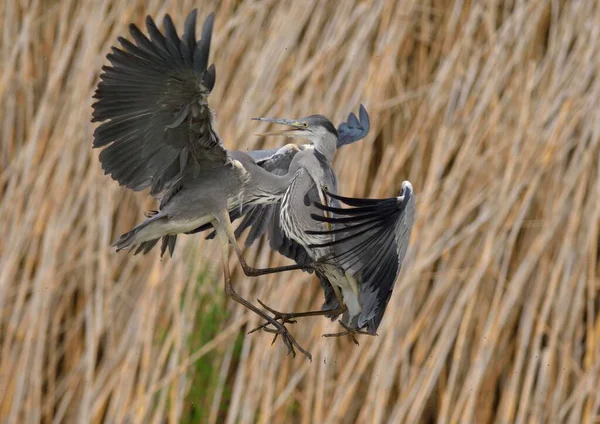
x: 298, y: 128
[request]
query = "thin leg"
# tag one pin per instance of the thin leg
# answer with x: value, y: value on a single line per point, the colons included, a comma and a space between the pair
x: 288, y: 340
x: 289, y: 317
x: 225, y: 224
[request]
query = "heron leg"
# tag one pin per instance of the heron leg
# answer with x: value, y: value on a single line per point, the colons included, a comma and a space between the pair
x: 349, y: 332
x: 225, y: 224
x: 290, y: 317
x: 287, y: 337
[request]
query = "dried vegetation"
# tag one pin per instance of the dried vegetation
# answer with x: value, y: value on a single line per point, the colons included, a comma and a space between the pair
x: 491, y: 109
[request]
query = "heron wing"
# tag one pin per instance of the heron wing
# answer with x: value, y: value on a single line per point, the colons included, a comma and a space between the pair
x: 354, y: 128
x: 259, y: 155
x: 371, y: 240
x: 152, y: 102
x: 278, y: 161
x: 265, y: 217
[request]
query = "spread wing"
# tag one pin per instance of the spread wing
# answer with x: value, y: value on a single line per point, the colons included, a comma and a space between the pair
x: 152, y: 102
x: 370, y: 240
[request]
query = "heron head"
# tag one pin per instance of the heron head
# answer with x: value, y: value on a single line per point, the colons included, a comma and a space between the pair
x: 311, y: 128
x: 315, y: 128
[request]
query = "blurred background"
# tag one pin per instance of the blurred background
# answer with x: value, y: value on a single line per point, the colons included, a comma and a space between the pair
x: 490, y: 109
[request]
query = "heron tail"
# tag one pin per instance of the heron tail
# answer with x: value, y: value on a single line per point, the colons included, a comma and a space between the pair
x: 136, y: 237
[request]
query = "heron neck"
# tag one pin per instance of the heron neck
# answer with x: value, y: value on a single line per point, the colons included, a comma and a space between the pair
x: 326, y: 145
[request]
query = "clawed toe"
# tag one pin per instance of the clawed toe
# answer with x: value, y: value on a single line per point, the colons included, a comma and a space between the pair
x: 288, y: 340
x: 281, y: 330
x: 350, y: 332
x: 277, y: 316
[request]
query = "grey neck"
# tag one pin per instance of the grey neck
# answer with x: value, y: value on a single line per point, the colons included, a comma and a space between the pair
x: 326, y: 145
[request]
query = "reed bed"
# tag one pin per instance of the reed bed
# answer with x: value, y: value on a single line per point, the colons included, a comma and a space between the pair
x: 491, y: 109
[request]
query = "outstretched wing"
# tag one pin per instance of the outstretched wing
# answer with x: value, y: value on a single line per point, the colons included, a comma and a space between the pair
x: 370, y: 240
x: 152, y: 102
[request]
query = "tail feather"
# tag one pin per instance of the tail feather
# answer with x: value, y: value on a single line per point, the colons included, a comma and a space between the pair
x: 168, y: 241
x: 146, y: 246
x: 128, y: 240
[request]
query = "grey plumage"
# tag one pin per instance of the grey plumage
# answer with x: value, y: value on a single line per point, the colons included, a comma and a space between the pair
x: 153, y: 105
x: 264, y: 218
x: 157, y: 131
x: 354, y: 128
x: 369, y: 241
x: 361, y: 255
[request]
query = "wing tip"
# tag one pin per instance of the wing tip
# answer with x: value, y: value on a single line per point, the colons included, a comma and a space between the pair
x: 210, y: 19
x: 207, y: 27
x: 406, y: 192
x: 354, y: 128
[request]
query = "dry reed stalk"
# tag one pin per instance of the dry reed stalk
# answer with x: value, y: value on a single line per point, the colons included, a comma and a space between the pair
x: 491, y: 109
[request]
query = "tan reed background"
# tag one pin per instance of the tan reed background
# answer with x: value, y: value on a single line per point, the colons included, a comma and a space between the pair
x: 491, y: 109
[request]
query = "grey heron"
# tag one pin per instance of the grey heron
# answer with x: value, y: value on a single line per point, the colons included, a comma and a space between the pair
x: 358, y: 260
x: 158, y: 131
x: 278, y: 161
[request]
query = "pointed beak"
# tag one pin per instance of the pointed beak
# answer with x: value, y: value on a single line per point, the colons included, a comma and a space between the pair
x: 297, y: 127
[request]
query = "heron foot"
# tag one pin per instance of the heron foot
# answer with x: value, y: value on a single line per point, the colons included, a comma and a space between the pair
x: 281, y: 330
x: 288, y: 340
x: 284, y: 317
x: 351, y: 332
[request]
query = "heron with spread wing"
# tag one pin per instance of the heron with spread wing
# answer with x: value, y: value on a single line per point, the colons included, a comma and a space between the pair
x: 158, y: 132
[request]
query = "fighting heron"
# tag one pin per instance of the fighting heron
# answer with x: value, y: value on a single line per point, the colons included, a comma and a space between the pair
x: 278, y: 161
x: 358, y: 260
x: 158, y: 131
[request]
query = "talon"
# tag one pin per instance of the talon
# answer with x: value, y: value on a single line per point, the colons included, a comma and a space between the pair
x: 263, y: 326
x: 280, y: 329
x: 350, y: 332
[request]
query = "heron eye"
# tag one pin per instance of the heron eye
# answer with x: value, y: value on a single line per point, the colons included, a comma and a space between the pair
x: 304, y: 124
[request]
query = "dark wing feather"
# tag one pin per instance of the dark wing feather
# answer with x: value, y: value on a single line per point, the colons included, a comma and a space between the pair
x: 370, y: 240
x: 152, y: 102
x: 354, y: 129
